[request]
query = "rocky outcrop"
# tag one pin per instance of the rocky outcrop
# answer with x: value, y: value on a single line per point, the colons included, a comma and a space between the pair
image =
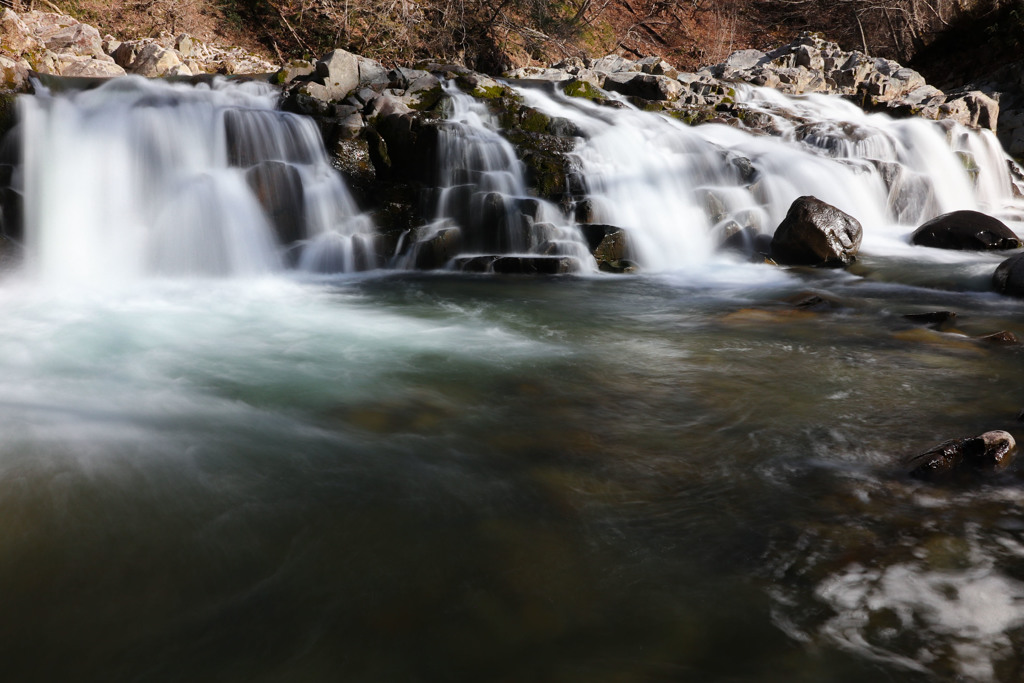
x: 967, y: 231
x: 956, y: 458
x: 56, y: 44
x: 815, y: 233
x: 809, y: 64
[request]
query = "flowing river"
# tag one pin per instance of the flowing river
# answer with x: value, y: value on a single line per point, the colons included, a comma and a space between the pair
x: 689, y: 474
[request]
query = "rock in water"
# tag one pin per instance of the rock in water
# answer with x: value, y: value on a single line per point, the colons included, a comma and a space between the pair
x: 814, y: 233
x: 966, y: 231
x: 1009, y: 276
x: 988, y: 452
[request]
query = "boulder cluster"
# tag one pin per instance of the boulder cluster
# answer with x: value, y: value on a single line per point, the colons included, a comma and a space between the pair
x: 809, y: 64
x: 51, y: 43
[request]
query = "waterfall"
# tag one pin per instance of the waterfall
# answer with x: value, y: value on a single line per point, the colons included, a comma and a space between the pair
x: 482, y: 192
x: 140, y: 178
x: 682, y: 191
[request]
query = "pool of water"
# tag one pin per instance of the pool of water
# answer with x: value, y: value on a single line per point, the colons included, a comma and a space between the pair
x: 402, y: 477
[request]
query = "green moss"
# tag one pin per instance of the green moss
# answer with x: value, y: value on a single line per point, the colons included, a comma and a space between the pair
x: 484, y: 92
x: 578, y: 88
x: 691, y: 117
x: 533, y: 121
x: 427, y: 99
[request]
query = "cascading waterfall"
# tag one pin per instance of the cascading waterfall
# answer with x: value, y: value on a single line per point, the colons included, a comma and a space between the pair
x: 141, y: 178
x: 482, y: 192
x: 681, y: 190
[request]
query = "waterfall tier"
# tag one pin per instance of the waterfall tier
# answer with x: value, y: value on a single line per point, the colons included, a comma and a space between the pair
x: 147, y: 178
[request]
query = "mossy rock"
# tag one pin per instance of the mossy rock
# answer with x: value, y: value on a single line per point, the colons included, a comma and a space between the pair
x: 692, y: 117
x: 578, y: 88
x: 488, y: 92
x: 426, y: 101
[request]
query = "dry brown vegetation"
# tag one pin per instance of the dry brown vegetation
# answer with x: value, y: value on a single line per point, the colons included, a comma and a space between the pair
x: 493, y: 35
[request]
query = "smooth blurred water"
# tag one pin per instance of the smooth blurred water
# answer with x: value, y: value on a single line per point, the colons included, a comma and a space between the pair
x: 405, y: 477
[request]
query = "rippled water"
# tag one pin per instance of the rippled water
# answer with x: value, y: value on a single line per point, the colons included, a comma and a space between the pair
x: 433, y: 478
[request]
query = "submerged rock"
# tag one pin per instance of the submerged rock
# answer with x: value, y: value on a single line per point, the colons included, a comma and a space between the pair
x: 518, y: 265
x: 937, y: 320
x: 965, y: 231
x: 991, y: 451
x: 815, y: 233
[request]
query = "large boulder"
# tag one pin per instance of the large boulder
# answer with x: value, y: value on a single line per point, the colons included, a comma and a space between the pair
x: 966, y: 231
x: 644, y: 86
x: 815, y: 233
x: 80, y: 39
x: 339, y: 73
x: 1009, y: 276
x: 278, y: 187
x: 88, y: 67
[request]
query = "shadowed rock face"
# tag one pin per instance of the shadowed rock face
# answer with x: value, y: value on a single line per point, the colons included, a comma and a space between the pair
x: 1009, y: 276
x: 815, y: 233
x: 989, y: 452
x: 966, y: 231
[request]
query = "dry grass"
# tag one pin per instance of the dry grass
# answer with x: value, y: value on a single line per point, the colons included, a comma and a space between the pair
x: 493, y: 35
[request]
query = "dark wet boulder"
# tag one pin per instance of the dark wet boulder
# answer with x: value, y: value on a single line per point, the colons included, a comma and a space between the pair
x: 644, y: 86
x: 438, y: 249
x: 815, y: 233
x: 1009, y: 276
x: 278, y: 187
x: 403, y: 146
x: 966, y: 231
x: 518, y: 265
x: 989, y: 452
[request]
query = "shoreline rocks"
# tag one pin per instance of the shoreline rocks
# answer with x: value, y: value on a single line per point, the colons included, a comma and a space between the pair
x: 59, y: 45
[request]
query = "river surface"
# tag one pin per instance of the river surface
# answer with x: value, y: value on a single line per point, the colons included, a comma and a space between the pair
x: 402, y: 477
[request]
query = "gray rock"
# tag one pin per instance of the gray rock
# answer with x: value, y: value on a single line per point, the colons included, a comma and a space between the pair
x: 185, y: 45
x: 339, y: 71
x: 154, y: 61
x: 80, y: 39
x: 88, y: 67
x: 743, y: 59
x: 613, y: 64
x: 293, y: 70
x: 372, y: 74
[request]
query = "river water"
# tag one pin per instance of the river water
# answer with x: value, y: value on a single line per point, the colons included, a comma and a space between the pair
x: 689, y: 475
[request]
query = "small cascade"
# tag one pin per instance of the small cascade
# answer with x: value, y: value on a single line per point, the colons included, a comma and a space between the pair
x: 140, y: 178
x: 482, y: 197
x: 682, y: 192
